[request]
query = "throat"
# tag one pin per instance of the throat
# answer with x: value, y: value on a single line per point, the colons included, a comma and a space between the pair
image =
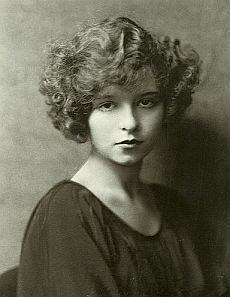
x: 98, y: 172
x: 122, y: 192
x: 133, y: 205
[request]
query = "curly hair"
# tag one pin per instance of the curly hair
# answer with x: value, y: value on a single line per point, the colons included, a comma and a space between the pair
x: 114, y: 51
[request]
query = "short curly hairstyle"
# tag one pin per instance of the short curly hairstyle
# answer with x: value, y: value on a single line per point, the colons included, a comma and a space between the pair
x: 114, y: 51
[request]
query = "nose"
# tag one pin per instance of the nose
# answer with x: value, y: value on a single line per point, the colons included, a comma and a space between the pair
x: 128, y: 120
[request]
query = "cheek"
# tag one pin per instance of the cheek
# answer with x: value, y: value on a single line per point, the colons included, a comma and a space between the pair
x: 153, y: 122
x: 99, y: 127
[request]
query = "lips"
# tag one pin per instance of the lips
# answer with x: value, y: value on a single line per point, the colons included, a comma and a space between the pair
x: 130, y: 142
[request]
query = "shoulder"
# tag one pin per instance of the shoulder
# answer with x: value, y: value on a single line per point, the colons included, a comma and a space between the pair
x: 57, y: 199
x: 171, y: 197
x: 52, y: 203
x: 173, y: 204
x: 65, y: 194
x: 66, y: 206
x: 168, y: 195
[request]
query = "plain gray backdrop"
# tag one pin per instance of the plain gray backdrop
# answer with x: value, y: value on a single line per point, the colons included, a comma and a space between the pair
x: 34, y: 156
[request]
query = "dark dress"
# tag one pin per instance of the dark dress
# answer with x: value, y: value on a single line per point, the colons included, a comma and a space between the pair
x: 74, y: 246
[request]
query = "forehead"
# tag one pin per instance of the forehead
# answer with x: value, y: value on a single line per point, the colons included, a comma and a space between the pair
x: 144, y: 83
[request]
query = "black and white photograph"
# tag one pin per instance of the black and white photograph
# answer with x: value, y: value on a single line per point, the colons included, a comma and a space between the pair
x: 114, y: 151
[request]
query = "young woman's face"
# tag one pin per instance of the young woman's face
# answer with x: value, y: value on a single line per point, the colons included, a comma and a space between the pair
x: 125, y: 123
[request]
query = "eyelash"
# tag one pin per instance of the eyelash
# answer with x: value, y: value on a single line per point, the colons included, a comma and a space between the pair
x: 101, y: 106
x: 153, y: 102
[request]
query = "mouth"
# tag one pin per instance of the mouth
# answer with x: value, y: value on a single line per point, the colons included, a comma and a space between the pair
x: 129, y: 143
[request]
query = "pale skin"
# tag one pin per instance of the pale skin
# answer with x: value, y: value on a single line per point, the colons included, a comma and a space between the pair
x: 112, y: 171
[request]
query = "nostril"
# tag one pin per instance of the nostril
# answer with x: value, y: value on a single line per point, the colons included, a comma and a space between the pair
x: 129, y: 123
x: 128, y: 120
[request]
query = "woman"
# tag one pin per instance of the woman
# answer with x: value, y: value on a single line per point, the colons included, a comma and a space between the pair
x: 105, y: 232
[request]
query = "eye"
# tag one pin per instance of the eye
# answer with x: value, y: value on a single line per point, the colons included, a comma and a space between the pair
x: 106, y: 106
x: 148, y: 102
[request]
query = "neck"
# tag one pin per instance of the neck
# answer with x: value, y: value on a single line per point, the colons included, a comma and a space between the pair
x: 107, y: 173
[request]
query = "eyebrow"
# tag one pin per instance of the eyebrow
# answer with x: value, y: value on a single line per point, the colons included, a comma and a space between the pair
x: 105, y: 96
x: 149, y: 93
x: 111, y: 96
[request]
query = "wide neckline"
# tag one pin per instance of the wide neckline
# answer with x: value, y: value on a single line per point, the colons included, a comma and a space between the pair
x: 119, y: 219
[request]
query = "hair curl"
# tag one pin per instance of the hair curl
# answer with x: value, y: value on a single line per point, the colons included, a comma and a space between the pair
x: 115, y: 51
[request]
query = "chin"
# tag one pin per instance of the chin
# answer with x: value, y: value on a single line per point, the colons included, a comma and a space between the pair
x: 128, y: 162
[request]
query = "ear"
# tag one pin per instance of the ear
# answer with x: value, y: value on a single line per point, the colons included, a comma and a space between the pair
x: 81, y: 137
x: 76, y: 131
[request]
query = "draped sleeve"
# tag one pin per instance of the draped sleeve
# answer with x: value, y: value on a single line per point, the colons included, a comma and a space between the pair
x: 60, y: 256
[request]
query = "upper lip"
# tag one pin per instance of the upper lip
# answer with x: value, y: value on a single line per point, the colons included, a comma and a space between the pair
x: 129, y: 141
